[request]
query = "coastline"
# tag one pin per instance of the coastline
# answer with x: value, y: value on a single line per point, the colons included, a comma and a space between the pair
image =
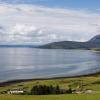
x: 11, y: 82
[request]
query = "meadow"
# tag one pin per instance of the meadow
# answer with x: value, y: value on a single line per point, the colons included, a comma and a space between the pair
x: 88, y: 83
x: 52, y: 97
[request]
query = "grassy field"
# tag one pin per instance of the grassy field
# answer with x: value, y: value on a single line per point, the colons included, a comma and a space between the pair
x: 91, y: 83
x: 52, y: 97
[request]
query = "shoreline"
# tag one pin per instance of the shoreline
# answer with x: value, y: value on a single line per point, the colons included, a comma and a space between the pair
x: 11, y: 82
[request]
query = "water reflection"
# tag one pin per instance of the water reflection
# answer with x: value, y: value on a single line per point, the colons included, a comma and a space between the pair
x: 19, y: 63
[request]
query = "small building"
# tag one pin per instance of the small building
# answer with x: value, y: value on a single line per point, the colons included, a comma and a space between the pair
x: 89, y: 91
x: 16, y: 91
x: 78, y: 92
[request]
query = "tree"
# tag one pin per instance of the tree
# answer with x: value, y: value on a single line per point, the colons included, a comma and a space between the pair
x: 44, y: 90
x: 70, y: 89
x: 57, y: 89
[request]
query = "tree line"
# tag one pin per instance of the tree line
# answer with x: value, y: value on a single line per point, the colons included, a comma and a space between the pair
x: 45, y: 90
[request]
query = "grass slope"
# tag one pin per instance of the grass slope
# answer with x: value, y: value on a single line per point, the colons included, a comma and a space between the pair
x: 52, y: 97
x: 91, y: 82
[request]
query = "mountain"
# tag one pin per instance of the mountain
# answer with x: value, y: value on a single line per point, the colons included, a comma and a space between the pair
x: 18, y: 46
x: 92, y: 43
x: 64, y: 45
x: 95, y: 39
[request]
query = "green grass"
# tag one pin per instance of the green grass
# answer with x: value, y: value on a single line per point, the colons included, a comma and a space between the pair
x: 88, y: 83
x: 92, y: 83
x: 52, y: 97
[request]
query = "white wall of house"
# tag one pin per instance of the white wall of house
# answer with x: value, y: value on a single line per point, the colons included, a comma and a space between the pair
x: 15, y: 92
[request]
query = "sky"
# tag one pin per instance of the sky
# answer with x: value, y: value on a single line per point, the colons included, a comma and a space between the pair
x: 43, y: 21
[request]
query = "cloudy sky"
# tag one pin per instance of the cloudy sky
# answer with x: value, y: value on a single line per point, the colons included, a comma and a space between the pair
x: 44, y: 21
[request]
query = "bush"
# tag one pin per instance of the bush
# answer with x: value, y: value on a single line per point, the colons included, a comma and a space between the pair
x: 45, y: 90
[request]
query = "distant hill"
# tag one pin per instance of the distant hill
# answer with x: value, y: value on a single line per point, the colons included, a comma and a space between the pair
x: 93, y: 43
x: 17, y: 46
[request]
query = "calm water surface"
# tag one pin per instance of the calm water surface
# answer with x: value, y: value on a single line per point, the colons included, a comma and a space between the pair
x: 26, y: 63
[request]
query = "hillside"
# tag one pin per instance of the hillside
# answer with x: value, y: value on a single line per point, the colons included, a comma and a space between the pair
x: 92, y: 43
x: 87, y: 83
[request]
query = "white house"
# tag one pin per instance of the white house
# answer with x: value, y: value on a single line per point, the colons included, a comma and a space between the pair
x: 15, y: 91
